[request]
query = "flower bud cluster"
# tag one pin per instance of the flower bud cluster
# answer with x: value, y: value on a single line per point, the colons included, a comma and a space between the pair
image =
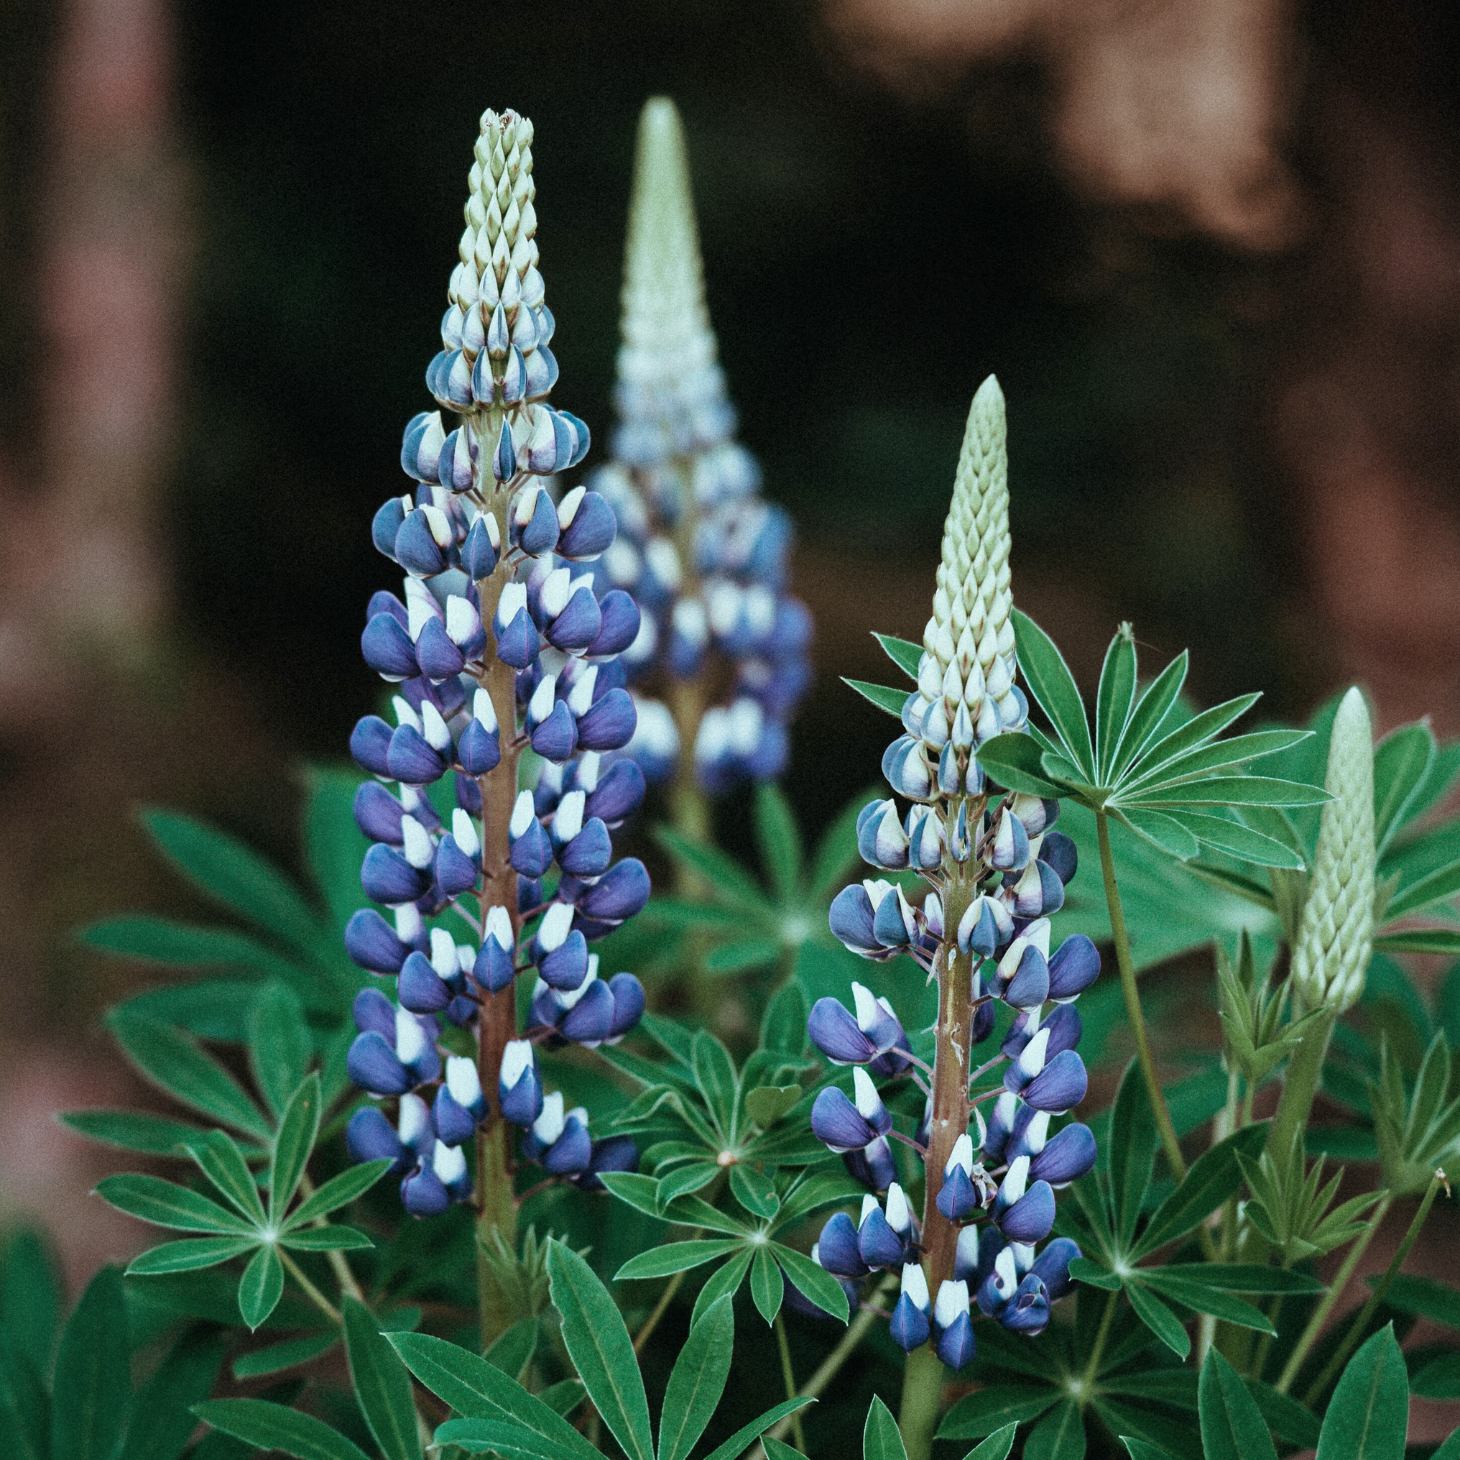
x: 495, y: 594
x: 702, y: 552
x: 1008, y: 867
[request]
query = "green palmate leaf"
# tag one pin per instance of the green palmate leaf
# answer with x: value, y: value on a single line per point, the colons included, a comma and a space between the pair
x: 1232, y: 1427
x: 215, y: 1008
x: 724, y: 1280
x: 1204, y: 1297
x: 881, y: 695
x: 1133, y: 1144
x: 903, y: 653
x: 166, y: 1204
x: 1238, y: 840
x: 743, y: 954
x: 1114, y: 700
x: 1049, y: 677
x: 1159, y: 1319
x: 768, y: 1103
x: 261, y: 1286
x: 1441, y: 885
x: 162, y: 1416
x: 1402, y: 759
x: 725, y: 878
x: 1192, y: 735
x: 778, y: 840
x: 993, y: 1408
x: 1232, y: 791
x: 1016, y: 762
x: 674, y: 1257
x: 564, y: 1396
x: 1368, y: 1415
x: 1212, y: 1178
x: 267, y: 1426
x: 334, y: 846
x: 222, y: 1163
x: 880, y: 1437
x: 601, y: 1350
x: 175, y: 1064
x: 1149, y: 715
x: 93, y: 1385
x: 30, y: 1297
x: 189, y: 1255
x: 1421, y: 940
x: 278, y: 1043
x: 337, y: 1192
x: 687, y: 1179
x: 747, y: 1434
x: 326, y: 1239
x: 1199, y: 763
x: 715, y: 1076
x: 697, y: 1381
x: 381, y: 1382
x: 1060, y: 1435
x: 131, y: 1130
x: 504, y: 1438
x: 513, y: 1351
x: 478, y: 1390
x: 814, y: 1192
x: 1161, y: 829
x: 813, y: 1281
x: 293, y: 1145
x: 25, y: 1407
x: 766, y: 1287
x: 286, y: 1355
x: 1425, y: 1298
x: 756, y: 1193
x: 235, y: 876
x: 996, y: 1447
x: 184, y: 945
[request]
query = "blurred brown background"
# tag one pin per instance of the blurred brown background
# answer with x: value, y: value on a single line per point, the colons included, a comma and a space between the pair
x: 1211, y: 247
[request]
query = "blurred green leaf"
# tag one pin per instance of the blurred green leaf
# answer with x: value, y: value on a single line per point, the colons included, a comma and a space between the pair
x: 162, y: 1418
x: 278, y: 1043
x: 189, y: 1255
x: 1368, y: 1414
x: 131, y: 1130
x: 268, y: 1426
x: 1232, y: 1427
x: 382, y: 1384
x: 30, y: 1297
x: 287, y: 1355
x: 92, y: 1395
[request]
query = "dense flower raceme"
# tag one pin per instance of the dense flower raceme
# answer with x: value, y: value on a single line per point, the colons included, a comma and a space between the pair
x: 702, y: 551
x: 999, y: 1179
x: 478, y: 526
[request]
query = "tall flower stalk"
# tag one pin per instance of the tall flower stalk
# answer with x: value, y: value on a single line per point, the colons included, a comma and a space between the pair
x: 500, y: 644
x: 722, y: 645
x: 996, y: 871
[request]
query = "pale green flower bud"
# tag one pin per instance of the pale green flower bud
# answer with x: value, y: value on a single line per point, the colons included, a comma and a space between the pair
x: 970, y: 638
x: 1335, y: 935
x: 500, y: 219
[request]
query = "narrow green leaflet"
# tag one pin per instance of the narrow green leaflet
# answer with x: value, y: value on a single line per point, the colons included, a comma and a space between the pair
x: 601, y: 1350
x: 1232, y: 1427
x: 1114, y: 699
x: 1149, y: 715
x: 715, y: 1075
x: 996, y: 1447
x: 675, y: 1257
x: 93, y: 1387
x: 777, y: 839
x: 903, y: 653
x: 162, y: 1416
x: 132, y: 1130
x: 725, y: 874
x: 183, y: 945
x: 382, y: 1384
x: 724, y: 1280
x: 1368, y: 1416
x: 278, y: 1043
x: 1060, y: 1435
x: 297, y: 1132
x: 504, y: 1438
x: 268, y: 1426
x: 881, y: 1439
x: 990, y: 1409
x: 697, y: 1381
x: 261, y: 1286
x: 513, y: 1351
x: 1441, y: 885
x: 1159, y: 1319
x: 337, y: 1192
x: 175, y: 1064
x: 766, y: 1287
x: 1212, y: 1178
x: 813, y: 1281
x: 1402, y: 759
x: 747, y: 1434
x: 189, y: 1255
x: 1425, y: 1298
x: 881, y: 695
x: 1202, y: 1293
x: 1133, y: 1144
x: 222, y: 1163
x: 1054, y: 687
x: 228, y: 872
x: 755, y: 1192
x: 279, y: 1356
x: 165, y: 1204
x: 326, y: 1239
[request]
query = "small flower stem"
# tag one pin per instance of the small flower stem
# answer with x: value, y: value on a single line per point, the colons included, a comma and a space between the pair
x: 832, y: 1363
x: 1300, y: 1086
x: 1356, y: 1328
x: 1137, y: 1017
x: 789, y: 1375
x: 1335, y: 1291
x: 337, y: 1261
x: 497, y: 1023
x: 665, y: 1299
x: 310, y: 1291
x: 922, y: 1397
x: 1097, y: 1349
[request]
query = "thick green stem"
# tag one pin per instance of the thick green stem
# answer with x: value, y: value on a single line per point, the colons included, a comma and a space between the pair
x: 1340, y: 1282
x: 922, y: 1393
x: 1133, y: 1010
x: 1300, y: 1086
x: 788, y: 1374
x: 1356, y: 1328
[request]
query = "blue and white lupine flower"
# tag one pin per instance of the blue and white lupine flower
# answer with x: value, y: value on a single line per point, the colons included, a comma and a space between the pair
x: 995, y: 862
x: 498, y: 640
x: 702, y: 552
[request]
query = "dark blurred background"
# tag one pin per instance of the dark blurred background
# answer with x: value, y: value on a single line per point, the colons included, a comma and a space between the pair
x: 1211, y: 248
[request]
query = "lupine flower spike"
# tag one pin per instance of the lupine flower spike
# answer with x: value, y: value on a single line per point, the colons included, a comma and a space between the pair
x: 702, y: 552
x: 499, y: 640
x: 996, y: 870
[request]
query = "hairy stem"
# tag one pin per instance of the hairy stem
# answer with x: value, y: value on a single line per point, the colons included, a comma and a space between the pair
x: 1133, y: 1009
x: 1356, y: 1328
x: 922, y: 1395
x: 660, y: 1309
x: 789, y: 1375
x: 337, y: 1261
x: 308, y: 1288
x: 1300, y: 1086
x: 496, y: 1209
x: 1340, y: 1282
x: 1097, y: 1349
